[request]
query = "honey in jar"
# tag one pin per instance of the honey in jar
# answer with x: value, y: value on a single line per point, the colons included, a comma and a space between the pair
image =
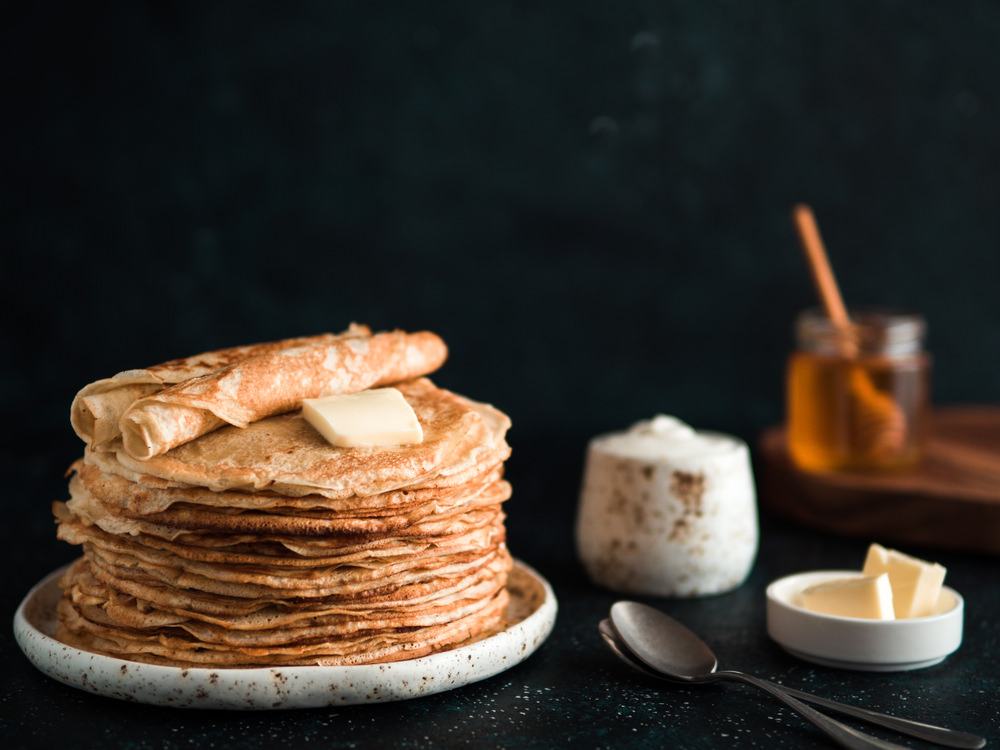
x: 857, y: 398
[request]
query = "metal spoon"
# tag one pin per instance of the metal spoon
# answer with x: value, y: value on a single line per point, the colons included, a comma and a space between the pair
x: 918, y: 729
x: 666, y: 646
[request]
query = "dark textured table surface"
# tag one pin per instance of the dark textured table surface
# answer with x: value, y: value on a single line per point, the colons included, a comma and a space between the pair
x: 571, y: 693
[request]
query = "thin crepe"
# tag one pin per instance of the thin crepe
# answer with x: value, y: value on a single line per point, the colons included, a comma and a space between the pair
x: 271, y: 381
x: 87, y: 624
x: 286, y: 455
x: 99, y: 406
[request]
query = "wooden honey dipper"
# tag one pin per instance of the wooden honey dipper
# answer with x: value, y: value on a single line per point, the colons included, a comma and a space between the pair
x: 879, y: 426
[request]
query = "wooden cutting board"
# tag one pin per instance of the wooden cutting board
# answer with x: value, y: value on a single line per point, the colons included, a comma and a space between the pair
x: 950, y: 501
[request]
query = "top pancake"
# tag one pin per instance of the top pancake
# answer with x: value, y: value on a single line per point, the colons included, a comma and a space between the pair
x: 286, y: 455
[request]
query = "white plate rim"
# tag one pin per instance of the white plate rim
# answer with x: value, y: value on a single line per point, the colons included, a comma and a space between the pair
x: 272, y: 688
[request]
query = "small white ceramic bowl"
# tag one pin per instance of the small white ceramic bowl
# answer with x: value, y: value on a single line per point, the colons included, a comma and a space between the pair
x: 856, y: 643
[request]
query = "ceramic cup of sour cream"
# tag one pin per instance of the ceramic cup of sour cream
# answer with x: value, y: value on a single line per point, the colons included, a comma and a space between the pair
x: 666, y: 510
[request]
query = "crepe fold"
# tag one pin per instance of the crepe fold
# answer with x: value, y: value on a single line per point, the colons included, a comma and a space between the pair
x: 99, y: 406
x: 265, y: 545
x: 156, y: 409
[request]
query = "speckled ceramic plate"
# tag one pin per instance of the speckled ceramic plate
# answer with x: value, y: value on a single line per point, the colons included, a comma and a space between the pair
x: 532, y: 613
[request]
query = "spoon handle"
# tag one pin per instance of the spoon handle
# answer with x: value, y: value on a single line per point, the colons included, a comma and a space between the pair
x: 940, y: 735
x: 845, y: 736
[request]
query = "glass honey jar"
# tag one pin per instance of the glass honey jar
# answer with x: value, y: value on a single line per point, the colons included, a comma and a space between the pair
x: 858, y: 396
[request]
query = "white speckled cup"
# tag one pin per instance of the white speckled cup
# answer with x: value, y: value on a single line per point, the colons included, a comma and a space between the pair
x: 667, y: 511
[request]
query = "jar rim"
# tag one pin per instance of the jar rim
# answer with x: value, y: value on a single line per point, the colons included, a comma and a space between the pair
x: 872, y: 328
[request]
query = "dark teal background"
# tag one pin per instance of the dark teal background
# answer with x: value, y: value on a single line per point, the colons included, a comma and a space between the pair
x: 588, y: 201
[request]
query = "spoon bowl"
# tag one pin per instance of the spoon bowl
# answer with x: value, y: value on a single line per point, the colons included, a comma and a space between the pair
x: 666, y: 645
x: 620, y: 650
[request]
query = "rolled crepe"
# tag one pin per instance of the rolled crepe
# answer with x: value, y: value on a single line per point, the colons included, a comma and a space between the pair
x: 99, y: 406
x: 150, y: 411
x: 274, y: 383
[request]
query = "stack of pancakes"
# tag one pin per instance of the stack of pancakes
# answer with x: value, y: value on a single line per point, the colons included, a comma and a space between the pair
x: 263, y: 544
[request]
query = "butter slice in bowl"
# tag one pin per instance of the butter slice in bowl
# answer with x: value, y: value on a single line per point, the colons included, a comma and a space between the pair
x: 371, y: 418
x: 852, y: 619
x: 916, y: 585
x: 868, y: 597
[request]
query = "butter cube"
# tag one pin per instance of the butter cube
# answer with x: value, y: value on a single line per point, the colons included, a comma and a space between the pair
x: 868, y: 597
x: 916, y: 584
x: 376, y: 417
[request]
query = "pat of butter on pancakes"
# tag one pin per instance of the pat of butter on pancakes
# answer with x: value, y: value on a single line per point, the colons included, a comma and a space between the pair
x: 374, y: 417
